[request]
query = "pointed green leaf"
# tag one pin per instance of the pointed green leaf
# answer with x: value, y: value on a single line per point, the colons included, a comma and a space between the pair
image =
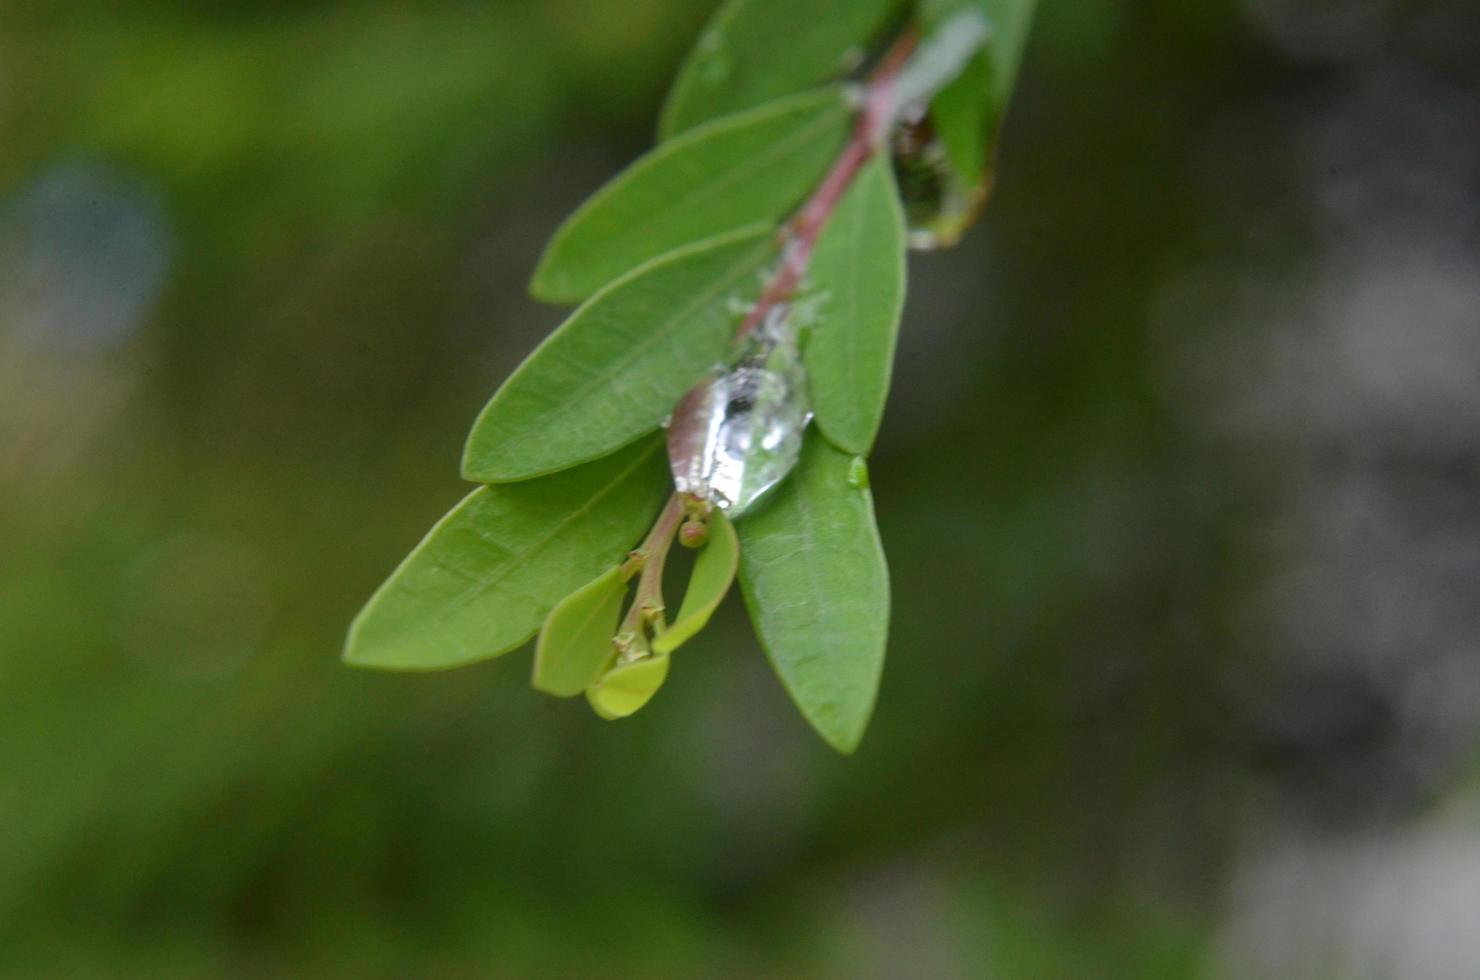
x: 481, y: 582
x: 858, y: 274
x: 624, y: 689
x: 813, y: 575
x: 967, y: 113
x: 753, y: 51
x: 576, y: 641
x: 614, y: 370
x: 748, y: 168
x: 714, y: 570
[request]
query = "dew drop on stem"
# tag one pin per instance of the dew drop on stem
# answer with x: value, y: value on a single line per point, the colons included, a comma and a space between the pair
x: 738, y: 433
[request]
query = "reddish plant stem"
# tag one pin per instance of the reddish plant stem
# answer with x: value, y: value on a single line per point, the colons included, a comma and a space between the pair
x: 655, y: 549
x: 798, y: 241
x: 799, y: 236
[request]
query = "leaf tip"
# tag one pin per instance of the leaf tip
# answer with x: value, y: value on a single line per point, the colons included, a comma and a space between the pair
x: 550, y: 284
x: 843, y: 731
x: 853, y: 439
x: 354, y: 653
x: 481, y: 463
x: 843, y: 747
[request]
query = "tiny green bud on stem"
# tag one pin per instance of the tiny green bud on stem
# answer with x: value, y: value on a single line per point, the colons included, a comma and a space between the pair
x: 693, y: 534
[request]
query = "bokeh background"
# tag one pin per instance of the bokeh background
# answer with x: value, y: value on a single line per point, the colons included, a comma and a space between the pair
x: 1179, y: 483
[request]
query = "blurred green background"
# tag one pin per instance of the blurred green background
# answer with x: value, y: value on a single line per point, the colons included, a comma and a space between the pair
x: 1178, y: 486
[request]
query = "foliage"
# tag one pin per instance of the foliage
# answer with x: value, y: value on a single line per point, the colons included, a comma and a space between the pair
x: 768, y: 218
x: 814, y: 579
x: 750, y: 167
x: 1082, y: 712
x: 482, y: 581
x: 858, y: 274
x: 615, y: 368
x: 757, y: 50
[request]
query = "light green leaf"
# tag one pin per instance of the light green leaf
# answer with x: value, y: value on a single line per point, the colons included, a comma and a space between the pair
x: 626, y: 688
x: 858, y: 275
x: 614, y: 370
x: 714, y: 570
x: 813, y: 575
x: 967, y: 114
x: 482, y: 581
x: 743, y: 169
x: 753, y: 51
x: 576, y: 641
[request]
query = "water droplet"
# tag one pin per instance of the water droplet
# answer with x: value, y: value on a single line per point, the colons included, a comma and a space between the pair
x: 739, y: 432
x: 939, y: 203
x: 858, y: 473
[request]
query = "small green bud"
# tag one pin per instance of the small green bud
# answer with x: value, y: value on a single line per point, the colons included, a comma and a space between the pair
x: 693, y: 534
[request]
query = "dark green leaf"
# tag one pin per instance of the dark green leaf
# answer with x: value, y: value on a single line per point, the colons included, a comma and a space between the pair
x: 753, y: 51
x: 714, y: 570
x: 614, y: 370
x: 484, y: 578
x: 813, y: 575
x: 748, y: 168
x: 858, y: 273
x: 576, y: 641
x: 626, y: 688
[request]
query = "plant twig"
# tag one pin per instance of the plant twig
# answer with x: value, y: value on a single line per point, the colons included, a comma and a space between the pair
x: 649, y: 596
x: 798, y: 241
x: 799, y: 236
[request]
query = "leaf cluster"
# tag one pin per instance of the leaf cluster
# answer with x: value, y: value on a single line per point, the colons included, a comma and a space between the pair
x: 664, y: 262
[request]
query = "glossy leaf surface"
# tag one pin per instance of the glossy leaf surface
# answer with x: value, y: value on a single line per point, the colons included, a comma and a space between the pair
x: 858, y: 273
x: 753, y: 167
x: 614, y: 370
x: 576, y: 641
x: 813, y: 575
x: 482, y: 580
x: 753, y: 51
x: 714, y: 571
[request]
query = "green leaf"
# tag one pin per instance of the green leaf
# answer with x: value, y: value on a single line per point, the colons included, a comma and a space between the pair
x: 752, y: 167
x: 714, y: 570
x: 482, y: 581
x: 858, y: 274
x: 614, y: 370
x: 576, y: 642
x: 753, y: 51
x: 942, y: 54
x: 627, y: 687
x: 967, y: 114
x: 813, y: 575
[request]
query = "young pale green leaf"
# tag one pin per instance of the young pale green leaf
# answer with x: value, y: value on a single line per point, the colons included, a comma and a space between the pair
x: 714, y: 570
x: 753, y: 51
x: 752, y: 167
x: 858, y: 274
x: 814, y: 579
x: 626, y: 688
x: 576, y: 641
x: 967, y: 113
x: 484, y: 578
x: 614, y: 370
